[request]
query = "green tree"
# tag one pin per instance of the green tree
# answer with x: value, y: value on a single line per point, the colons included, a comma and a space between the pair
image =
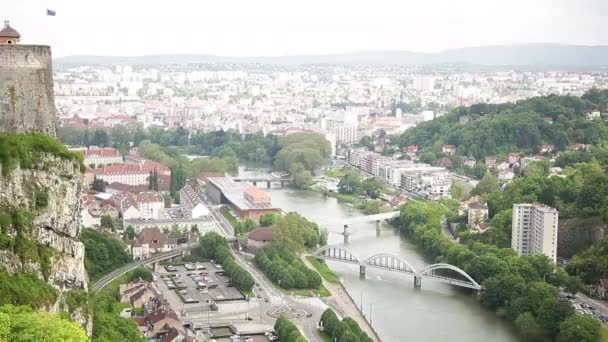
x: 500, y: 290
x: 302, y: 179
x: 20, y: 324
x: 457, y: 190
x: 293, y: 232
x: 266, y: 220
x: 552, y: 313
x: 108, y: 222
x: 579, y: 328
x: 479, y: 170
x: 103, y: 253
x: 488, y: 184
x: 574, y: 284
x: 350, y: 183
x: 428, y: 157
x: 372, y: 187
x: 129, y: 233
x: 528, y: 328
x: 349, y: 336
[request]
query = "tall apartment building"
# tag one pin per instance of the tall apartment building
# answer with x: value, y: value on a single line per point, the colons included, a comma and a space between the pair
x: 534, y: 230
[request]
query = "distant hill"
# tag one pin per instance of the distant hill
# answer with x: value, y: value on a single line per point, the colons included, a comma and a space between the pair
x: 530, y: 55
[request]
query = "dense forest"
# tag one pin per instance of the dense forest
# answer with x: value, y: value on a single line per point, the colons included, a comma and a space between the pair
x: 489, y: 129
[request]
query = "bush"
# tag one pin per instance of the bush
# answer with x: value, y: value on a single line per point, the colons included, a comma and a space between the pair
x: 284, y: 268
x: 345, y: 330
x: 287, y: 331
x: 24, y: 150
x: 25, y: 289
x: 42, y: 199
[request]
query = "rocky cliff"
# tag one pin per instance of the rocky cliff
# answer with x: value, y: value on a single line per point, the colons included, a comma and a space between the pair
x: 41, y: 202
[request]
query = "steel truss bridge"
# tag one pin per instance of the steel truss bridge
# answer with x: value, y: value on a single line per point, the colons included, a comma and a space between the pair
x: 391, y: 262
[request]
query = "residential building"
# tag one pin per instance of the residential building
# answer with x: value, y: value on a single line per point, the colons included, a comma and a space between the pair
x: 102, y: 156
x: 432, y: 183
x: 594, y: 114
x: 131, y: 174
x: 477, y: 214
x: 534, y: 230
x: 144, y: 205
x: 448, y: 149
x: 490, y: 161
x: 547, y: 148
x: 469, y: 161
x: 150, y: 241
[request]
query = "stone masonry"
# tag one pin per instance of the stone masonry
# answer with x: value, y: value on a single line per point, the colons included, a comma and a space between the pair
x: 27, y: 103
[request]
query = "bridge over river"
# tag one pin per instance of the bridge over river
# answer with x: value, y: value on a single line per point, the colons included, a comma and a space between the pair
x: 391, y: 262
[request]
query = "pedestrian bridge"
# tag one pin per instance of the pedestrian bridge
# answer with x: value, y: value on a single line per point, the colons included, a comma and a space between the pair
x: 391, y: 262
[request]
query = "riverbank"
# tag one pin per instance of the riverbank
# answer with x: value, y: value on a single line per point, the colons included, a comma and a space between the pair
x: 342, y: 302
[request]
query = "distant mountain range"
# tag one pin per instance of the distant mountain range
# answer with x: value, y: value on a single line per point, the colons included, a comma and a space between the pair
x: 528, y: 55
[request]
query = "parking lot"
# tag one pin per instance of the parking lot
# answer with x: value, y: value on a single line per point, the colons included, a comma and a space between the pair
x: 201, y: 282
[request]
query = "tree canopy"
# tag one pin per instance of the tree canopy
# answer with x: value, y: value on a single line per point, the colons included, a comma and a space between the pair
x: 511, y: 127
x: 21, y: 324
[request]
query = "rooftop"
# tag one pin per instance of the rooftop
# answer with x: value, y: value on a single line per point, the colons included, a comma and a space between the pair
x: 8, y: 31
x: 260, y: 234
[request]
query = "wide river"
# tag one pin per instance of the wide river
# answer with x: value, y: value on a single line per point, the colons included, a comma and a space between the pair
x: 399, y: 312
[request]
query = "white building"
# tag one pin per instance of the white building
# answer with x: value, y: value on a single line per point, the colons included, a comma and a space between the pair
x: 477, y: 214
x: 534, y: 230
x: 147, y: 205
x: 430, y: 183
x: 102, y: 156
x: 131, y: 174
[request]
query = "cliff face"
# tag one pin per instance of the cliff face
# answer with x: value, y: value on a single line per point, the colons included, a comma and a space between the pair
x: 54, y: 223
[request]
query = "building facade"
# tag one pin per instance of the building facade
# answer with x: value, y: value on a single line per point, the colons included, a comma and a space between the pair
x: 534, y: 230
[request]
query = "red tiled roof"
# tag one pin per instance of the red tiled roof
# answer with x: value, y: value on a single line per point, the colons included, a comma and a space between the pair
x: 104, y: 152
x: 260, y: 234
x: 153, y: 237
x: 161, y: 314
x: 140, y: 321
x: 146, y: 167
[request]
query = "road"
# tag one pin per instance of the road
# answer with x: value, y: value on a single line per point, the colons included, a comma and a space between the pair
x: 267, y: 295
x: 101, y: 283
x: 446, y: 231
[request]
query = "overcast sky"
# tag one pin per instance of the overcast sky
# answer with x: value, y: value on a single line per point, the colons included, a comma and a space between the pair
x: 282, y: 27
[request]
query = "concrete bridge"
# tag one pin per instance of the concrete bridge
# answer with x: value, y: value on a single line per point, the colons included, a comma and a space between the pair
x: 367, y: 218
x: 267, y: 180
x: 391, y: 262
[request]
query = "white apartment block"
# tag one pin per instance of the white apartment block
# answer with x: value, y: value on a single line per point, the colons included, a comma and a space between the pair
x: 358, y: 157
x: 432, y: 183
x: 534, y: 230
x: 391, y: 171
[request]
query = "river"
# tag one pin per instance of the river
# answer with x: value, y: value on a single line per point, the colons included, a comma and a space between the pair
x: 399, y: 312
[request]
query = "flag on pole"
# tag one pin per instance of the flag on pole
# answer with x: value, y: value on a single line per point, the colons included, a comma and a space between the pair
x: 50, y: 12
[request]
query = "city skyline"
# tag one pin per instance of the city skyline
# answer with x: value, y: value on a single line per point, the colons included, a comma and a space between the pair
x: 272, y: 28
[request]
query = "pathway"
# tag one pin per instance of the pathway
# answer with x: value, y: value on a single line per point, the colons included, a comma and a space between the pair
x: 342, y: 303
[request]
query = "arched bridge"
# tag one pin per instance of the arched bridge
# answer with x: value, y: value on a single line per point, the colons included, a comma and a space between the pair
x: 395, y: 263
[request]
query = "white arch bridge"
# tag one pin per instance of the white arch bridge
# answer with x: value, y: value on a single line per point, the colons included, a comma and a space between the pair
x: 391, y: 262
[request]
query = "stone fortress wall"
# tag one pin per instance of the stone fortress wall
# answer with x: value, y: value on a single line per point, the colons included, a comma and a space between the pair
x: 27, y: 102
